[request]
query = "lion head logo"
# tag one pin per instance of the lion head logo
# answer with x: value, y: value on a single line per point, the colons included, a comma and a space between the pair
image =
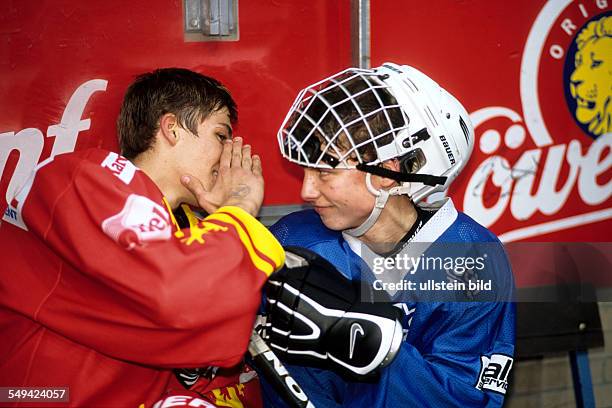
x: 590, y: 82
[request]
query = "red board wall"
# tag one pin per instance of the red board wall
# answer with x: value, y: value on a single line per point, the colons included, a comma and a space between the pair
x: 479, y: 51
x: 49, y: 48
x: 476, y: 49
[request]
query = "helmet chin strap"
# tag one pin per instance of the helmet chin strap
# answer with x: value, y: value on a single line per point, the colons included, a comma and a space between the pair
x: 382, y: 196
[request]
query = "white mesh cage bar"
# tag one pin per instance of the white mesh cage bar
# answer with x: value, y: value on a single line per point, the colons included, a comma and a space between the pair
x: 304, y: 140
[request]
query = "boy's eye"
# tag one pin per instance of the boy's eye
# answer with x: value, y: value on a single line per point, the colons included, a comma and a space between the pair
x: 222, y: 137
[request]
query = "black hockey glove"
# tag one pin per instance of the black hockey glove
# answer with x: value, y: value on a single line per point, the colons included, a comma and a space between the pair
x: 314, y: 316
x: 189, y: 376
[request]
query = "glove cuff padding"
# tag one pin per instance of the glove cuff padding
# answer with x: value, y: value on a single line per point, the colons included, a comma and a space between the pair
x: 315, y: 317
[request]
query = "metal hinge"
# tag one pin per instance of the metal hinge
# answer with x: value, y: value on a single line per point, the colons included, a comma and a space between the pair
x: 211, y: 20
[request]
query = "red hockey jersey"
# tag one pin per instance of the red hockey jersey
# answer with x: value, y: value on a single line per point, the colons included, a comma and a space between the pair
x: 102, y: 293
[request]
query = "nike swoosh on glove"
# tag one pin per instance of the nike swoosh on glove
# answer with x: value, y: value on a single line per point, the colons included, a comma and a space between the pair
x: 315, y: 316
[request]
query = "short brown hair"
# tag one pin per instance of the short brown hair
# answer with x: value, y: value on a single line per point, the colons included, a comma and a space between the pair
x: 191, y: 96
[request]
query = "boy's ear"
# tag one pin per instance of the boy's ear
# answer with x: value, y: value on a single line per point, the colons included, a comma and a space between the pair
x: 393, y: 165
x: 169, y: 128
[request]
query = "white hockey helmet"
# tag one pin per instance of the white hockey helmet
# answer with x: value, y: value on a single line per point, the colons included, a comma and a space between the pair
x: 359, y: 118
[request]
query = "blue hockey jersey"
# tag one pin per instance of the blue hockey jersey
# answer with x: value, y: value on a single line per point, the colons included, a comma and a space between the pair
x: 454, y: 353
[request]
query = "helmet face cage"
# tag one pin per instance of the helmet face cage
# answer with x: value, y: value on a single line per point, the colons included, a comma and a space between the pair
x: 361, y: 116
x: 321, y: 127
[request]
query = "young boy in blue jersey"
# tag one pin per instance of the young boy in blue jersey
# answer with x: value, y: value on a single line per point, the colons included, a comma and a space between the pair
x: 374, y: 144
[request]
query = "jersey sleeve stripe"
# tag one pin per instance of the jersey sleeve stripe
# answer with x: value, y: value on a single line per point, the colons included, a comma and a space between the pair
x: 262, y: 263
x: 266, y: 244
x: 265, y: 251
